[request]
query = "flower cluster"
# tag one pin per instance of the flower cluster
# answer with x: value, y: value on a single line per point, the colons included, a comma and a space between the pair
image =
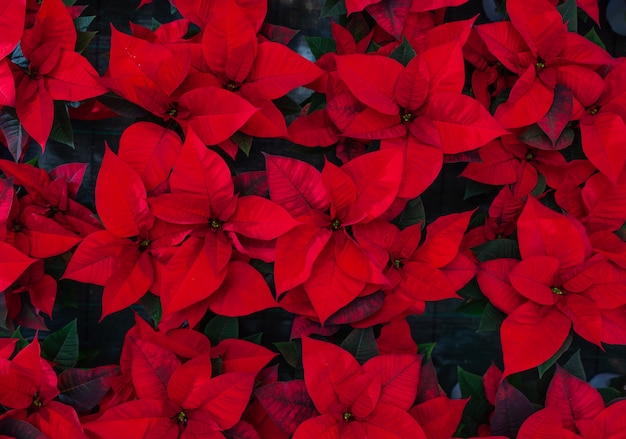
x: 331, y: 229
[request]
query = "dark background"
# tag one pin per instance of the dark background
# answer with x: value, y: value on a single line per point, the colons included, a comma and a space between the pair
x: 458, y: 343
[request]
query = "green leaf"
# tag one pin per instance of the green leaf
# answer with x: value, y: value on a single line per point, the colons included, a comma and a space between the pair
x: 291, y: 352
x: 69, y: 3
x: 83, y: 40
x: 333, y: 8
x: 243, y: 142
x: 472, y: 307
x: 122, y: 107
x: 216, y: 364
x: 543, y: 368
x: 575, y: 366
x: 362, y: 344
x: 593, y: 36
x: 154, y: 24
x: 413, y: 213
x: 609, y: 394
x: 372, y: 47
x: 492, y: 319
x: 318, y: 102
x: 471, y: 385
x: 427, y: 350
x: 403, y: 53
x: 21, y: 341
x: 287, y: 106
x: 496, y: 249
x: 152, y: 305
x: 540, y: 187
x: 62, y: 126
x: 321, y: 45
x: 61, y: 347
x: 472, y: 290
x: 534, y: 136
x: 569, y: 12
x: 254, y: 338
x: 82, y: 23
x: 474, y: 189
x: 220, y: 328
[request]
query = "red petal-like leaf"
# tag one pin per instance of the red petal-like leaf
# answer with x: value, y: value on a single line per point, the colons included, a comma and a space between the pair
x: 243, y: 291
x: 84, y: 389
x: 573, y: 398
x: 151, y: 367
x: 374, y: 85
x: 295, y: 185
x: 277, y: 70
x: 151, y: 150
x: 12, y: 14
x: 512, y: 409
x: 531, y: 335
x: 73, y: 79
x: 399, y: 375
x: 443, y: 238
x: 439, y: 417
x: 131, y: 280
x: 121, y: 198
x: 287, y: 403
x: 13, y: 263
x: 259, y: 218
x: 559, y: 114
x: 326, y: 368
x: 227, y: 397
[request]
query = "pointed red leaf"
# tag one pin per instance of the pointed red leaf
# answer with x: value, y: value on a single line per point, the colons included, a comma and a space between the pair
x: 573, y: 398
x: 390, y: 15
x: 600, y: 139
x: 229, y: 42
x: 96, y: 258
x: 83, y: 389
x: 374, y: 85
x: 227, y: 397
x: 326, y: 368
x: 443, y: 238
x: 399, y: 375
x: 13, y: 263
x: 151, y: 150
x: 132, y: 279
x: 12, y: 14
x: 287, y: 403
x: 512, y: 408
x: 439, y: 417
x: 242, y: 292
x: 277, y: 70
x: 295, y: 185
x: 377, y: 176
x: 531, y: 335
x: 151, y: 367
x: 259, y: 218
x: 315, y: 129
x: 73, y: 79
x: 121, y: 198
x: 462, y: 122
x: 215, y: 114
x: 35, y: 109
x: 544, y: 232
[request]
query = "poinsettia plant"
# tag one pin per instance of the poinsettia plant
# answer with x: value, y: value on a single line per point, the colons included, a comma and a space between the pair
x: 267, y: 214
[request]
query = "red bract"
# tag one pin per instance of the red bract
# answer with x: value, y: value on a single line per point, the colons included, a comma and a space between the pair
x: 54, y: 72
x: 359, y: 401
x: 320, y: 254
x: 537, y: 47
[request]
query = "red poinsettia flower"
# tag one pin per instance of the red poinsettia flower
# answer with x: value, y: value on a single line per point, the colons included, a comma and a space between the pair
x: 433, y: 271
x: 47, y: 221
x: 537, y: 46
x: 54, y: 71
x: 202, y: 200
x: 359, y: 401
x: 320, y: 254
x: 419, y: 108
x: 28, y: 386
x: 12, y: 15
x: 602, y: 126
x: 557, y: 284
